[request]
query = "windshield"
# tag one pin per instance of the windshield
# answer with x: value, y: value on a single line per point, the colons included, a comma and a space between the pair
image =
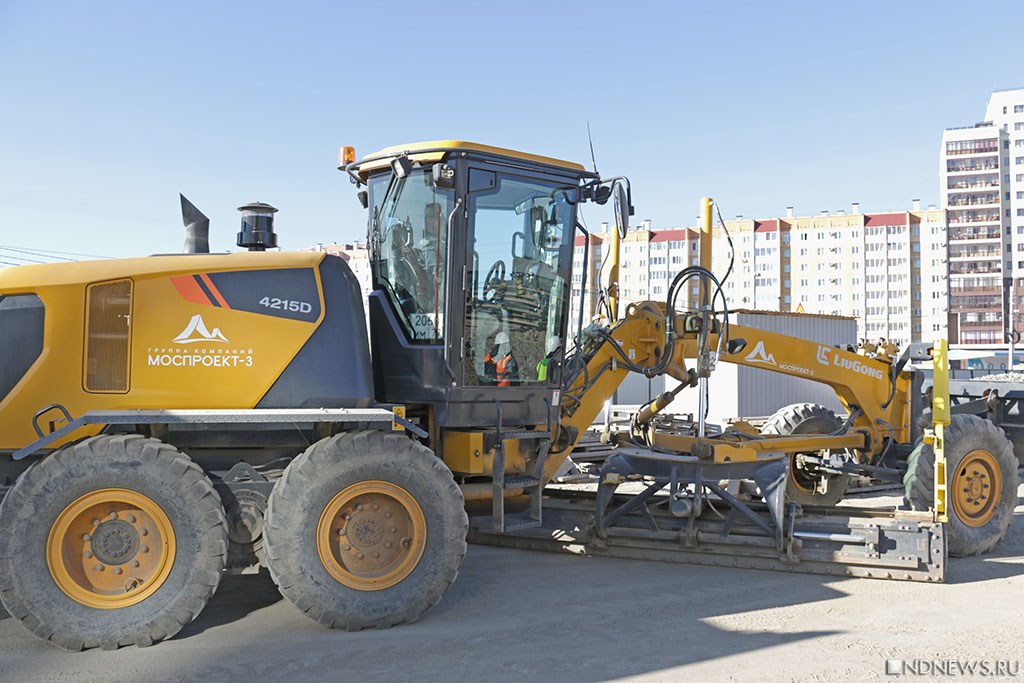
x: 516, y: 302
x: 408, y: 239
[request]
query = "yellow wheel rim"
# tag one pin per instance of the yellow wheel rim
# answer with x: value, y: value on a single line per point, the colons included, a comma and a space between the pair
x: 800, y: 478
x: 977, y: 488
x: 371, y: 535
x: 110, y: 549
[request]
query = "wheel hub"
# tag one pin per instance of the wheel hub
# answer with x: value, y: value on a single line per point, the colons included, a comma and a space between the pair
x: 115, y: 542
x: 365, y: 529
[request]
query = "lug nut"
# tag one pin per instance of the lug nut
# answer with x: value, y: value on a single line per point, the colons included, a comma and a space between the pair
x: 341, y: 532
x: 376, y: 506
x: 88, y: 555
x: 143, y: 532
x: 113, y: 515
x: 359, y: 507
x: 346, y: 547
x: 387, y: 515
x: 393, y: 529
x: 135, y: 563
x: 144, y: 548
x: 387, y: 544
x: 95, y: 521
x: 117, y: 570
x: 376, y: 554
x: 98, y: 567
x: 86, y: 537
x: 359, y: 556
x: 131, y: 519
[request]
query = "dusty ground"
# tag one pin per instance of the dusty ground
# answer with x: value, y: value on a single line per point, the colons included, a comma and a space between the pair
x: 516, y: 614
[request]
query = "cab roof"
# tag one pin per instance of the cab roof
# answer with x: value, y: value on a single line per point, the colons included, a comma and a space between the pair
x: 435, y: 151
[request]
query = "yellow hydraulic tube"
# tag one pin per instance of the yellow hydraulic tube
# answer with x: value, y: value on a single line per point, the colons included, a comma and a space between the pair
x: 940, y: 419
x: 613, y: 276
x: 705, y: 246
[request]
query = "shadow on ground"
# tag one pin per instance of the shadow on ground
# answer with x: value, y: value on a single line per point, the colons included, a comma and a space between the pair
x: 1001, y: 562
x: 237, y: 596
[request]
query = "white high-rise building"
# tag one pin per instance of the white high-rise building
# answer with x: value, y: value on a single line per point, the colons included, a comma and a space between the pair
x: 982, y: 186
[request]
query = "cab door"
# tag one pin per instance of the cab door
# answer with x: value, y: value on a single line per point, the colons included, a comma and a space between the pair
x: 515, y: 286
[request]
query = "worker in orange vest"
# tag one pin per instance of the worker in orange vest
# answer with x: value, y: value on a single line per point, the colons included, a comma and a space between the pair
x: 499, y: 366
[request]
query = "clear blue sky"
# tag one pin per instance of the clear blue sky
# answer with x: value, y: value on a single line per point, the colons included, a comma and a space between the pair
x: 109, y: 109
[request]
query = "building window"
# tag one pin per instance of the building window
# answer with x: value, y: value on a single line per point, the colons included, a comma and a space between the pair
x: 1017, y: 108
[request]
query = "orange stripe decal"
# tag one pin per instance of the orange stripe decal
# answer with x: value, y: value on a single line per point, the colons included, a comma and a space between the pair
x: 190, y: 290
x: 216, y: 293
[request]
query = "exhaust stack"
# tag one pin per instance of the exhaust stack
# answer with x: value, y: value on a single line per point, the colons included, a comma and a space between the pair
x: 197, y: 228
x: 257, y: 227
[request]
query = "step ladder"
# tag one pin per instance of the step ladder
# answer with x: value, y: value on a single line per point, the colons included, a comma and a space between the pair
x: 532, y: 482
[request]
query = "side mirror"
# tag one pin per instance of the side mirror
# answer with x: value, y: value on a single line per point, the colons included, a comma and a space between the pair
x: 622, y: 207
x: 443, y: 176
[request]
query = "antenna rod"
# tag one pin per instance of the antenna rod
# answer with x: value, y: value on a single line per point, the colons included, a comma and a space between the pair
x: 592, y: 158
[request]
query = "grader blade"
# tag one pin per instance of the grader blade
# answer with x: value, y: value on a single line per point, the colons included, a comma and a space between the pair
x: 844, y: 541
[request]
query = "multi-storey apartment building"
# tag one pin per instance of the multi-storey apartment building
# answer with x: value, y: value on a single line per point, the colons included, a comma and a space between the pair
x: 358, y: 258
x: 982, y: 186
x: 887, y: 270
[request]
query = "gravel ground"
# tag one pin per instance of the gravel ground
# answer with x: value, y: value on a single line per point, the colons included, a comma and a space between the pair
x: 517, y: 614
x: 1002, y: 377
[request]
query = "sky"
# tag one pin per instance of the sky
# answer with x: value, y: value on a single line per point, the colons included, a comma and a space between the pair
x: 109, y: 109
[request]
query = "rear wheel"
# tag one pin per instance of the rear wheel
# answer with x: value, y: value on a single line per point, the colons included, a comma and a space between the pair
x: 982, y: 482
x: 365, y: 529
x: 805, y: 485
x: 110, y: 541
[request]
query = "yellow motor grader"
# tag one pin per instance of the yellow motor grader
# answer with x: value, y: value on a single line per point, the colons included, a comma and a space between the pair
x: 165, y: 418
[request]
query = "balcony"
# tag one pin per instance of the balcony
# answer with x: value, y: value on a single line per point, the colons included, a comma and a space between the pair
x: 976, y: 200
x: 976, y: 253
x: 973, y: 218
x: 973, y: 234
x: 972, y: 168
x: 976, y: 291
x: 975, y: 183
x: 971, y: 268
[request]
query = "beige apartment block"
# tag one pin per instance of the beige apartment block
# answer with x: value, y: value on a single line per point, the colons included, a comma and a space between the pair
x: 889, y: 271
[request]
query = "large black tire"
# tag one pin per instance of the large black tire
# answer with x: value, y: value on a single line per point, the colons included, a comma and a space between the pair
x: 807, y: 418
x: 301, y: 508
x: 98, y: 468
x: 966, y: 434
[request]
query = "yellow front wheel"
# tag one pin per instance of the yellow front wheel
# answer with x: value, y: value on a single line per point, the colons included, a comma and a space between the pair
x: 981, y: 478
x: 365, y: 529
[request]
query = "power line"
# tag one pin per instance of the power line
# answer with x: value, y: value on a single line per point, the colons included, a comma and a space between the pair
x: 22, y: 258
x: 33, y: 253
x: 51, y: 251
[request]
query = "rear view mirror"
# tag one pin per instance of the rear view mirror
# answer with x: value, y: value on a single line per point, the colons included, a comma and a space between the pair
x: 443, y: 176
x: 622, y: 208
